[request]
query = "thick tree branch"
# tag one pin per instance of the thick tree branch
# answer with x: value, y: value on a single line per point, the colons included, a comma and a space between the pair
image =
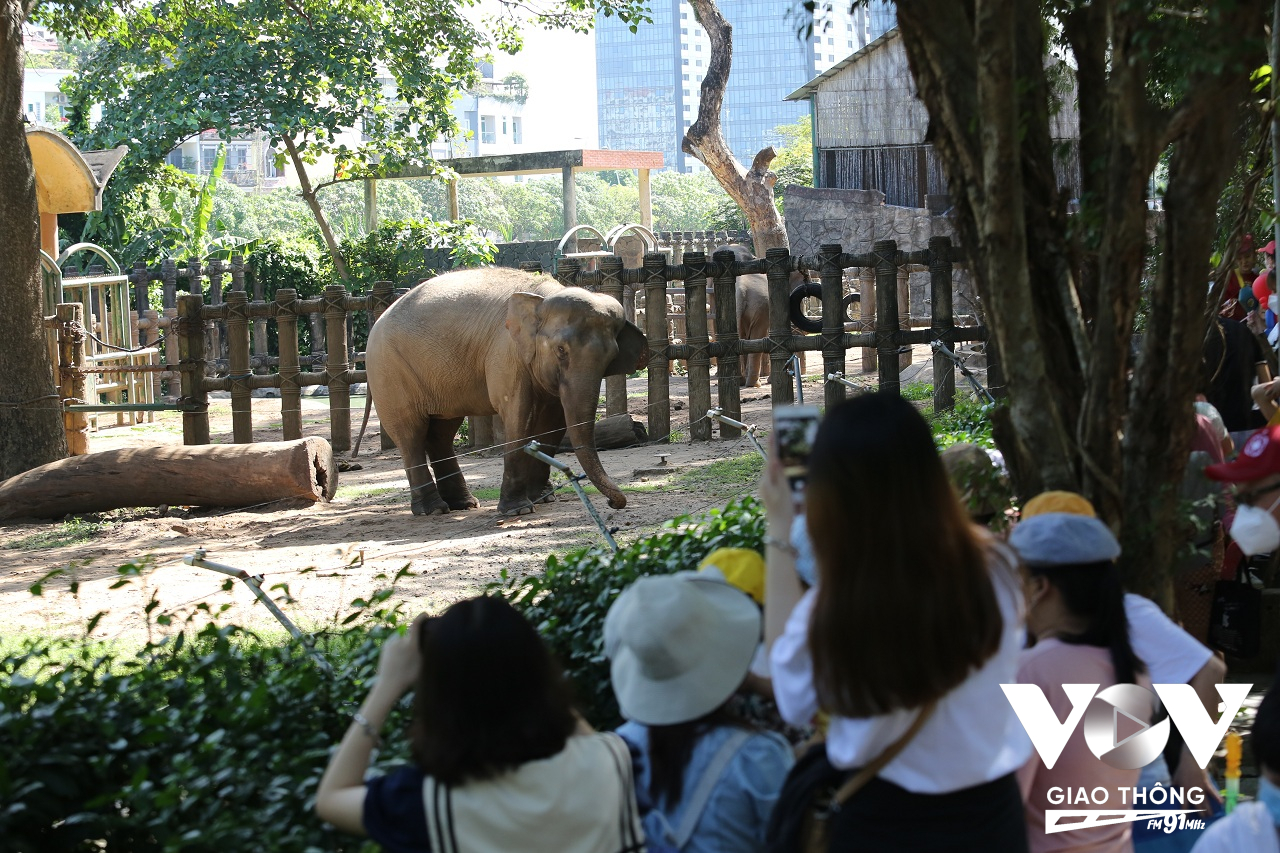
x: 751, y: 190
x: 309, y: 196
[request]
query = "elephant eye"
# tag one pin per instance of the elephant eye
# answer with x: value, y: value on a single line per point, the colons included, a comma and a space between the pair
x: 561, y: 352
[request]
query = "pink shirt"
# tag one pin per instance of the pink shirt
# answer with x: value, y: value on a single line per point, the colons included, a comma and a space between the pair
x: 1050, y: 664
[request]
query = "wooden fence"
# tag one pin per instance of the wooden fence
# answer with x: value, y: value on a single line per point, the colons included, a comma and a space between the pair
x: 197, y: 332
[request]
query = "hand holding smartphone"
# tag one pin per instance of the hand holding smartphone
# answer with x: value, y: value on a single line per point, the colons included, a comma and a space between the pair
x: 796, y: 427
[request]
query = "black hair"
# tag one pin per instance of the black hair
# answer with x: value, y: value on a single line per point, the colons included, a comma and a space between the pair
x: 489, y: 695
x: 1264, y: 740
x: 671, y: 747
x: 1092, y: 591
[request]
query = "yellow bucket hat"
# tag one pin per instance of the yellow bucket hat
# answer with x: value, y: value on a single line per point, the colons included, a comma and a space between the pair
x: 740, y: 567
x: 1058, y: 501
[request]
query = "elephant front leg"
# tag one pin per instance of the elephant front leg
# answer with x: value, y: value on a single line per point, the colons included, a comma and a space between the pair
x: 444, y: 462
x: 518, y: 467
x: 549, y: 428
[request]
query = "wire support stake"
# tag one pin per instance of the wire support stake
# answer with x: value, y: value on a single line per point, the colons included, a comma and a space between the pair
x: 719, y: 416
x: 848, y: 383
x: 942, y: 349
x: 534, y: 449
x: 254, y: 582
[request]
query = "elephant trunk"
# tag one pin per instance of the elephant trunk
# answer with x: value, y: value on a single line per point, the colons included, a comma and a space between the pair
x: 581, y: 420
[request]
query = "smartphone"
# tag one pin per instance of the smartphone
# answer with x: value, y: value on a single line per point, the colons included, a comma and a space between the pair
x: 796, y: 428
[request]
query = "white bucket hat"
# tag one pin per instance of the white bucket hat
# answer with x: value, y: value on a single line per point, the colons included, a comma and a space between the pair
x: 679, y: 646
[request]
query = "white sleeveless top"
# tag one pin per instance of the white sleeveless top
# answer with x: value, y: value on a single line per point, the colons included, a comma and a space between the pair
x: 580, y: 800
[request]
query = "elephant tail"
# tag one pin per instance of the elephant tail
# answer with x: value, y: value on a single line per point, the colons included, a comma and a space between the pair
x: 368, y: 404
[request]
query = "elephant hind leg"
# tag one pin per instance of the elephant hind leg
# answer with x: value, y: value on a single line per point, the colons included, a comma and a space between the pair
x: 444, y: 462
x: 424, y: 497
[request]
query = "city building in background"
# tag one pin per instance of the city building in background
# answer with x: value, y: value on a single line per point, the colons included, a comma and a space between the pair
x: 648, y: 83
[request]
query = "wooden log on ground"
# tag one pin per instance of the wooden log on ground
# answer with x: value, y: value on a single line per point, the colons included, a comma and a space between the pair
x: 614, y: 433
x: 224, y: 475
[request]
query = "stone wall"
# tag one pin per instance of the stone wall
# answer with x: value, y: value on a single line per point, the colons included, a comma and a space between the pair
x: 856, y: 219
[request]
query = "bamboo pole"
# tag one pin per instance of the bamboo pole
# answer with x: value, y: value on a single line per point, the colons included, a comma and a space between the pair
x: 941, y: 307
x: 238, y: 354
x: 698, y: 339
x: 287, y: 336
x: 655, y: 319
x: 615, y: 387
x: 728, y: 382
x: 887, y: 311
x: 833, y: 352
x: 778, y: 272
x: 335, y: 315
x: 191, y: 352
x: 71, y: 377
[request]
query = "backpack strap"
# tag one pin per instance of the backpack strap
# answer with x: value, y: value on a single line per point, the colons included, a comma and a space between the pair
x: 696, y: 803
x: 866, y: 774
x: 620, y: 750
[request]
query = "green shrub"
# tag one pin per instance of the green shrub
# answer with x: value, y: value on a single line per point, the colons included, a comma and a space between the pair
x: 569, y: 600
x: 396, y: 252
x: 969, y: 421
x: 210, y: 742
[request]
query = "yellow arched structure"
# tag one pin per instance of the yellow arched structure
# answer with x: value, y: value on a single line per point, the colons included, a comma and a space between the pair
x: 67, y: 180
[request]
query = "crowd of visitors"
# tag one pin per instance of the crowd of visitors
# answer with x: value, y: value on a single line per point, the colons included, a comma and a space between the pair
x: 880, y: 655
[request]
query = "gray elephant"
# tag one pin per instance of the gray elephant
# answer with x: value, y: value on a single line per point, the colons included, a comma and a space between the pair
x: 753, y: 314
x: 496, y: 341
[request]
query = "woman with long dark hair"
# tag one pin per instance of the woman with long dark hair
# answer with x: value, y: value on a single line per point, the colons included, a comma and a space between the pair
x: 1076, y: 621
x: 913, y: 625
x: 501, y: 761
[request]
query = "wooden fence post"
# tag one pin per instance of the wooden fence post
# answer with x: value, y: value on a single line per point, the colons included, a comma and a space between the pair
x: 191, y: 360
x: 71, y: 381
x: 567, y: 272
x: 615, y: 387
x: 867, y: 312
x: 940, y: 299
x: 655, y: 319
x: 904, y: 313
x: 833, y: 354
x: 885, y: 252
x: 336, y: 365
x: 238, y: 355
x: 728, y: 383
x: 169, y: 283
x: 696, y: 336
x: 141, y: 278
x: 287, y: 338
x: 778, y: 271
x: 380, y: 298
x: 531, y: 266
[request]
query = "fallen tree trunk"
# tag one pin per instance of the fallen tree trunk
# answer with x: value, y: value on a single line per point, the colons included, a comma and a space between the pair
x: 228, y: 475
x: 614, y: 433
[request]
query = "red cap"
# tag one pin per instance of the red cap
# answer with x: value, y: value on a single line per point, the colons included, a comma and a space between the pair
x: 1270, y: 248
x: 1259, y: 458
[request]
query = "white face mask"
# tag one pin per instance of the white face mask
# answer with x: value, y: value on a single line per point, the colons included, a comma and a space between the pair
x: 1255, y: 530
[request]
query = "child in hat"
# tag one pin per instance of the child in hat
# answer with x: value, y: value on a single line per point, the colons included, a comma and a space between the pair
x: 679, y: 647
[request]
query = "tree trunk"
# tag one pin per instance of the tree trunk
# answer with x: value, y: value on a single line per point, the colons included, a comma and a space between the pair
x: 1063, y: 294
x: 309, y: 195
x: 227, y: 475
x: 31, y: 431
x: 614, y: 433
x: 751, y: 189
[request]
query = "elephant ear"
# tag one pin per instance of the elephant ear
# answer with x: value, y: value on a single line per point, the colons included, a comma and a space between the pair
x: 523, y: 322
x: 633, y: 351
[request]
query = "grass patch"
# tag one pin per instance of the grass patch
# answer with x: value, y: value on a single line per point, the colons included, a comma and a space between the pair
x: 74, y: 531
x: 353, y: 492
x: 917, y: 391
x: 724, y: 473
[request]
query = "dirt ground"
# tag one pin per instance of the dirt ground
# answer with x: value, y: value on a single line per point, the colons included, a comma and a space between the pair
x: 330, y: 554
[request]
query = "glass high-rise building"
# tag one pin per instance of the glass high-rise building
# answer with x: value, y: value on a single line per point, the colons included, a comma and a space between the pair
x: 648, y: 82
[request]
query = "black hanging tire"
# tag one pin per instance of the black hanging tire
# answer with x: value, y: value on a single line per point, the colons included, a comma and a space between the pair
x: 799, y: 319
x: 850, y: 301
